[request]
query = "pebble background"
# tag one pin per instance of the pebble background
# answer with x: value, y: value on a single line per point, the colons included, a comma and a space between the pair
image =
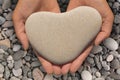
x: 103, y: 63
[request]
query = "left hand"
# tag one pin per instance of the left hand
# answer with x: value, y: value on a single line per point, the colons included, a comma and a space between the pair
x: 107, y: 17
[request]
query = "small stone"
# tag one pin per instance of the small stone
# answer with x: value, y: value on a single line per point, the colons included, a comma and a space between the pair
x: 117, y: 19
x: 27, y: 58
x: 18, y: 64
x: 6, y: 4
x: 115, y: 76
x: 65, y: 77
x: 99, y: 79
x: 2, y: 20
x: 1, y: 68
x: 1, y: 37
x: 18, y: 55
x: 25, y: 70
x: 42, y: 69
x: 48, y: 77
x: 7, y: 24
x: 98, y: 74
x: 90, y: 60
x: 17, y: 72
x: 115, y: 53
x: 115, y: 64
x: 111, y: 44
x: 38, y: 75
x: 35, y: 64
x: 9, y: 16
x: 29, y: 74
x: 16, y: 47
x: 14, y: 78
x: 9, y: 32
x: 5, y: 42
x: 96, y: 49
x: 118, y: 71
x: 97, y: 62
x: 110, y: 58
x: 86, y: 75
x: 7, y: 73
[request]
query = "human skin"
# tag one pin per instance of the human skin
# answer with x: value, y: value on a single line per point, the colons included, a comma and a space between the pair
x: 24, y: 9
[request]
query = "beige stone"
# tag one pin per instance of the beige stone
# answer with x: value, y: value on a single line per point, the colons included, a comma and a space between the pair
x: 61, y: 37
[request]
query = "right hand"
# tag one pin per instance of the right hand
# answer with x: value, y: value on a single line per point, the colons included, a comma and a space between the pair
x: 22, y: 11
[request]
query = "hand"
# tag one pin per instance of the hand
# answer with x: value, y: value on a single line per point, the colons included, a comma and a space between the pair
x: 23, y: 10
x: 107, y: 17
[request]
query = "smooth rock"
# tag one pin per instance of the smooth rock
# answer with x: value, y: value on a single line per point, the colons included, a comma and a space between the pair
x: 7, y: 24
x: 18, y: 64
x: 38, y: 75
x: 7, y: 73
x: 25, y: 70
x: 16, y: 47
x: 86, y: 75
x: 48, y: 77
x: 5, y: 42
x: 14, y: 78
x: 110, y: 58
x: 1, y: 68
x: 96, y: 49
x: 6, y: 4
x: 99, y: 79
x: 9, y: 16
x: 98, y: 74
x: 17, y: 72
x: 111, y: 44
x: 115, y: 64
x: 9, y: 32
x: 2, y: 20
x: 35, y: 64
x: 18, y: 55
x: 60, y: 35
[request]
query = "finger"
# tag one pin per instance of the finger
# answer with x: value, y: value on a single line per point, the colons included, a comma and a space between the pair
x: 46, y: 65
x: 105, y: 29
x: 20, y: 31
x: 66, y: 68
x: 77, y: 63
x: 56, y: 70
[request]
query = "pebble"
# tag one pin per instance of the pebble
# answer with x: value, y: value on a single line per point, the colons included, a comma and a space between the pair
x: 18, y: 55
x: 98, y: 74
x: 110, y: 58
x: 2, y: 20
x: 118, y: 71
x: 96, y: 49
x: 16, y: 47
x: 97, y: 62
x: 27, y: 58
x: 111, y: 44
x: 18, y: 64
x: 38, y: 75
x: 115, y: 54
x: 14, y: 78
x: 7, y: 73
x: 86, y: 75
x: 5, y: 42
x: 25, y: 70
x: 117, y: 19
x: 1, y: 68
x: 6, y: 4
x: 9, y: 16
x: 48, y: 77
x: 99, y: 79
x: 35, y: 64
x: 115, y: 64
x: 17, y: 72
x: 9, y: 32
x: 90, y: 60
x: 7, y: 24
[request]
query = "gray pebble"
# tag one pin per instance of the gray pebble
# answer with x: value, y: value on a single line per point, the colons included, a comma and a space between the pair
x: 9, y: 32
x: 117, y: 19
x: 35, y: 64
x: 14, y: 78
x: 7, y: 73
x: 2, y: 20
x: 97, y: 62
x: 96, y: 49
x: 10, y: 61
x: 48, y: 77
x: 6, y: 4
x: 9, y: 16
x: 90, y: 60
x: 1, y: 68
x: 25, y: 70
x: 18, y: 55
x: 115, y: 76
x: 27, y: 58
x: 38, y: 75
x: 7, y: 24
x: 98, y: 74
x: 18, y: 64
x: 118, y: 71
x: 115, y: 64
x: 86, y: 75
x: 111, y: 44
x: 99, y: 79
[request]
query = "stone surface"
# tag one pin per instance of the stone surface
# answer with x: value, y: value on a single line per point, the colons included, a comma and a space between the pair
x: 5, y: 42
x: 37, y: 74
x: 7, y: 24
x: 48, y: 77
x: 17, y: 72
x: 110, y: 44
x: 96, y: 49
x: 1, y: 68
x: 86, y: 75
x: 110, y: 58
x: 6, y: 4
x: 65, y: 36
x: 2, y: 20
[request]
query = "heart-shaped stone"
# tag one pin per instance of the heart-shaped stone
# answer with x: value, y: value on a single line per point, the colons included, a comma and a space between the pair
x: 61, y: 37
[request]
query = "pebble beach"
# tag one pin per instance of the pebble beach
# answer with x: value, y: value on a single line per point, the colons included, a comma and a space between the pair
x: 103, y: 63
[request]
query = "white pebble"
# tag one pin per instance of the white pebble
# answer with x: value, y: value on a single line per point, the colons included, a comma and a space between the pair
x: 16, y: 47
x: 110, y: 58
x: 17, y: 72
x: 111, y: 44
x: 98, y: 74
x: 86, y: 75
